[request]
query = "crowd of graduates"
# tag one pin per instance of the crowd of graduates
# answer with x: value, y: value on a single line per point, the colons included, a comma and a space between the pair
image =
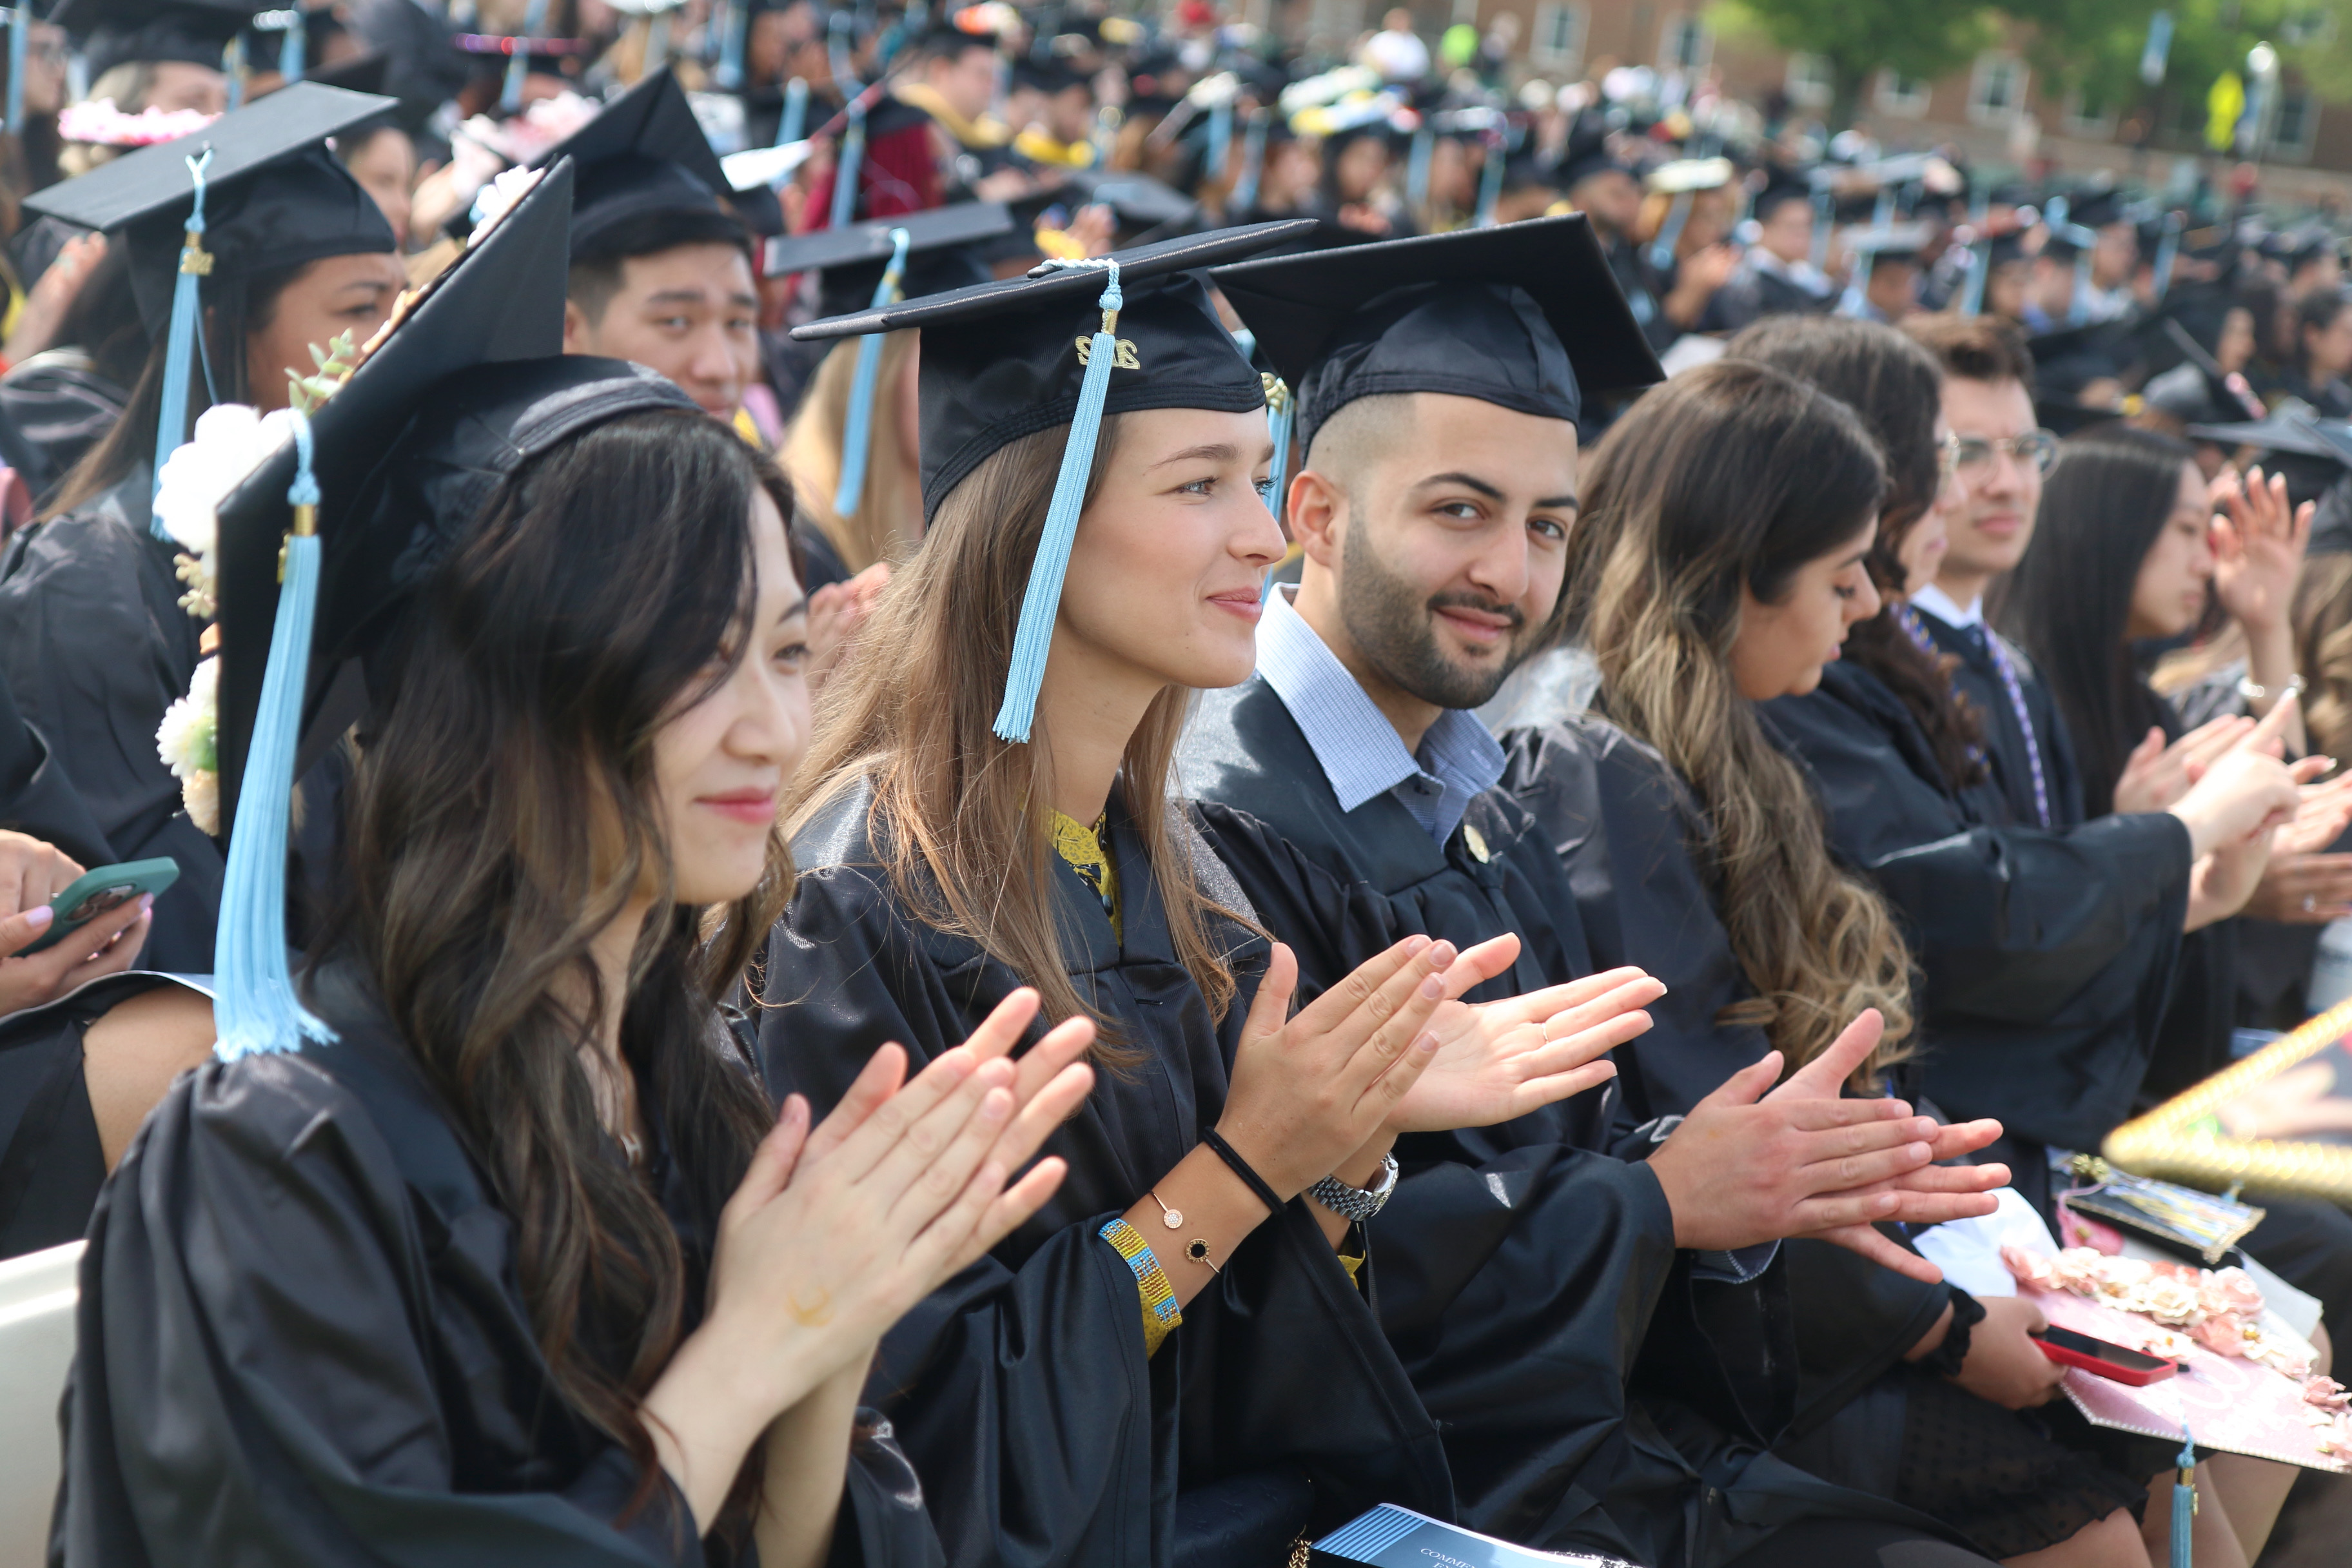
x: 1031, y: 787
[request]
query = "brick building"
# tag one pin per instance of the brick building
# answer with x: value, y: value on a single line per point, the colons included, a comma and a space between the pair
x: 1994, y: 108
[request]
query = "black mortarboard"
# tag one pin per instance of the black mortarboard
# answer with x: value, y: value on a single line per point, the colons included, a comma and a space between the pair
x: 2290, y: 428
x: 999, y: 359
x: 1004, y: 359
x: 851, y: 260
x: 1583, y: 164
x: 502, y: 299
x: 120, y: 32
x: 1777, y: 190
x: 644, y: 155
x: 2062, y: 419
x: 274, y: 197
x: 361, y: 73
x: 1526, y: 316
x: 1894, y: 242
x: 1139, y: 202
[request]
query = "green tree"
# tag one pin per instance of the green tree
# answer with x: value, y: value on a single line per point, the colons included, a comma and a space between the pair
x: 1922, y: 38
x: 2095, y: 45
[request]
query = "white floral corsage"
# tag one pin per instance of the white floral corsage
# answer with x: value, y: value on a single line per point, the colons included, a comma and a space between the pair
x: 99, y: 123
x: 189, y: 742
x: 231, y: 440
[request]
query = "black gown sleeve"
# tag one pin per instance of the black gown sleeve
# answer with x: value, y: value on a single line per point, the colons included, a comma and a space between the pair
x: 2027, y: 939
x: 37, y: 798
x: 263, y: 1373
x: 1042, y: 1432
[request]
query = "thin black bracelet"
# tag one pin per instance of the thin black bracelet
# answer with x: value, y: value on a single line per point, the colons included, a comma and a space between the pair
x: 1946, y: 1359
x: 1250, y: 1179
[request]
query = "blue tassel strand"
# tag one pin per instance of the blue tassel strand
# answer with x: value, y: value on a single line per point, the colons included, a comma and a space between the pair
x: 2184, y: 1502
x: 844, y: 173
x: 1417, y: 168
x: 1490, y: 184
x: 255, y: 1009
x: 172, y: 421
x: 1280, y: 407
x: 1221, y: 138
x: 1042, y: 602
x: 1252, y: 164
x: 857, y: 429
x: 519, y: 66
x: 291, y: 52
x: 731, y: 28
x: 19, y: 19
x: 233, y: 68
x: 789, y: 129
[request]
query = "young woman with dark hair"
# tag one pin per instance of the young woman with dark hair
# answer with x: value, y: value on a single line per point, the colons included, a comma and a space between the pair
x: 518, y: 1265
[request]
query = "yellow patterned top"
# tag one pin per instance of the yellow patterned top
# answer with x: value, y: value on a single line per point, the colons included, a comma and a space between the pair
x: 1084, y: 849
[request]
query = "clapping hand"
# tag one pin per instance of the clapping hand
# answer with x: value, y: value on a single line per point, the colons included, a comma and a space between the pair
x: 2258, y: 543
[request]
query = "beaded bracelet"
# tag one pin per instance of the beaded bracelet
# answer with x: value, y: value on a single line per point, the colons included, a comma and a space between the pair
x: 1161, y: 1314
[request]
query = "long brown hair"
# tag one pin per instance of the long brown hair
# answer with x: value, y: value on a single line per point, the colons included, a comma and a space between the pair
x: 1896, y: 386
x: 961, y: 818
x: 889, y: 521
x: 1729, y: 477
x: 504, y: 812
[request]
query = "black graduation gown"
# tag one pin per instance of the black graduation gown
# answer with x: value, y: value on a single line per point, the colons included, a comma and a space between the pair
x: 301, y: 1340
x: 1042, y: 1433
x: 1751, y: 294
x: 1623, y: 823
x: 95, y: 647
x: 53, y: 410
x: 37, y: 798
x: 2046, y: 957
x: 1594, y: 1393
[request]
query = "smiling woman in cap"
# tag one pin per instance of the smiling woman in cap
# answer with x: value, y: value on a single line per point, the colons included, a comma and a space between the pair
x: 480, y: 1244
x: 280, y: 249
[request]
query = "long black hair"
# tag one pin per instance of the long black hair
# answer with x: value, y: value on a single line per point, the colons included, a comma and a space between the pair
x: 1896, y: 386
x: 2068, y: 603
x: 503, y: 813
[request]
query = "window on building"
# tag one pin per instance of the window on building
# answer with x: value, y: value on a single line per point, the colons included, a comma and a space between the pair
x: 1996, y: 89
x: 1809, y: 81
x: 2087, y: 114
x: 1558, y: 37
x: 1686, y: 44
x: 2296, y: 123
x: 1902, y: 95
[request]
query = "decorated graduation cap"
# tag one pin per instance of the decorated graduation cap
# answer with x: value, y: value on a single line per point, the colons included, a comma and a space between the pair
x: 2292, y: 427
x: 1067, y: 344
x: 376, y: 488
x: 1526, y: 316
x: 255, y: 190
x: 643, y: 156
x: 121, y: 32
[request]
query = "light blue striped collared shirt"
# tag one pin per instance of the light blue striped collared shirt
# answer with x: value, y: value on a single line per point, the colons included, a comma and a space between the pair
x: 1359, y: 750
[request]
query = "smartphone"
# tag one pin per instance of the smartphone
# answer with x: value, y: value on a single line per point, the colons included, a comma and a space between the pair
x: 2118, y: 1362
x: 108, y: 888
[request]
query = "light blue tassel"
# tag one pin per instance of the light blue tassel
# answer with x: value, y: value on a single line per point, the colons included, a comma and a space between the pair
x: 1824, y: 219
x: 518, y: 65
x: 731, y: 27
x: 1490, y: 184
x: 844, y: 173
x: 1252, y: 164
x: 2184, y: 1502
x: 857, y: 430
x: 1221, y: 139
x: 179, y: 340
x: 233, y: 68
x: 1417, y: 168
x: 838, y: 56
x: 1043, y: 601
x: 2167, y: 251
x: 788, y: 129
x: 255, y: 1009
x: 290, y: 53
x: 19, y: 19
x: 1979, y: 272
x: 1670, y: 232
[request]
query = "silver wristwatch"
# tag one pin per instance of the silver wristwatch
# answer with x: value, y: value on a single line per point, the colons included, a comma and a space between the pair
x: 1356, y: 1205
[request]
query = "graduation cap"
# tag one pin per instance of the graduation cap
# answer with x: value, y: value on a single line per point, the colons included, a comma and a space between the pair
x: 361, y: 73
x: 644, y: 156
x: 851, y: 260
x: 381, y: 483
x: 1901, y: 242
x: 1139, y: 202
x: 121, y: 32
x: 2063, y: 418
x: 1067, y: 344
x: 255, y: 190
x: 2290, y: 427
x: 1526, y: 316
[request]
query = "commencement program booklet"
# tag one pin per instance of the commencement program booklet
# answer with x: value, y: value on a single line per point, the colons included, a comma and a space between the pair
x: 1393, y: 1537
